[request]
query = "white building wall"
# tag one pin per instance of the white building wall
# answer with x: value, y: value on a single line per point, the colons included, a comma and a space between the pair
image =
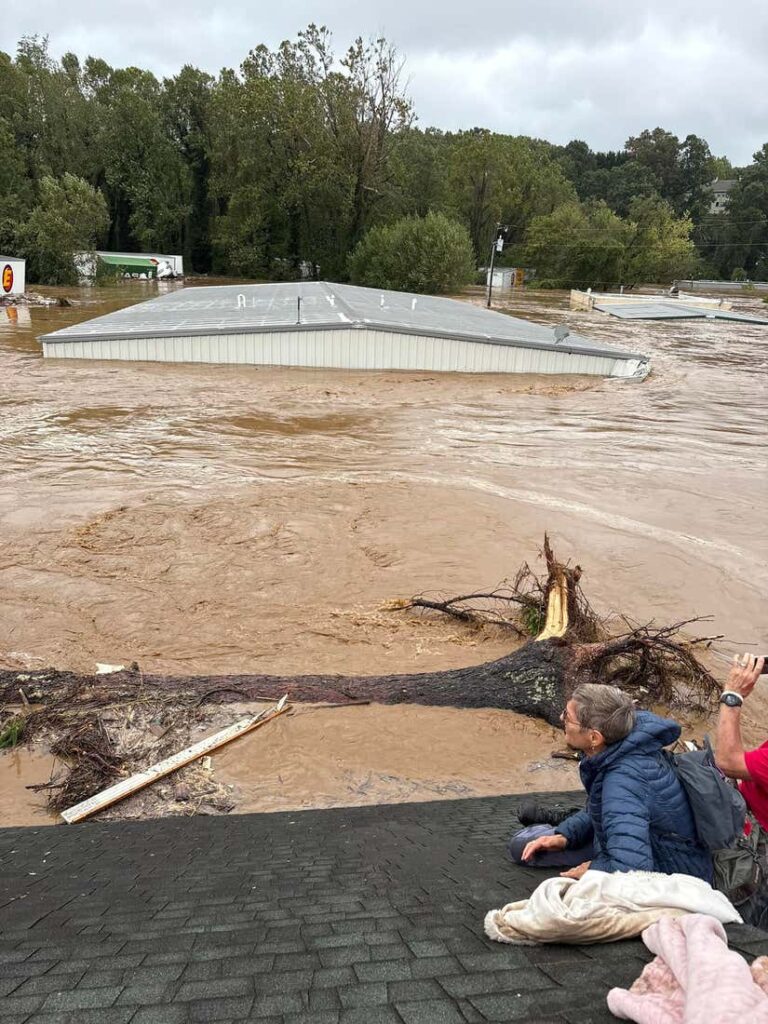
x: 351, y: 349
x: 13, y: 276
x: 503, y: 278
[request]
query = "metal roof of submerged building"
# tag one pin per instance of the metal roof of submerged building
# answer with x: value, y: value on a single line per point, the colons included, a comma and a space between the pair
x: 673, y: 310
x: 258, y: 309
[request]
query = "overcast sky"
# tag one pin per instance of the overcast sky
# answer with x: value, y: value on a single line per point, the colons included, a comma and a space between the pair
x: 556, y: 69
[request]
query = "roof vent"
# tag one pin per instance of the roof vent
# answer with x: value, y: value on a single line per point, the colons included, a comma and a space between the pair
x: 561, y: 332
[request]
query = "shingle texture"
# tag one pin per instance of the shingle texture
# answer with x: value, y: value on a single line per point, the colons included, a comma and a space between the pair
x: 367, y: 914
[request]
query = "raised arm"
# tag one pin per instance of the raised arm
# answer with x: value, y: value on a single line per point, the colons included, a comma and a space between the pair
x: 730, y: 746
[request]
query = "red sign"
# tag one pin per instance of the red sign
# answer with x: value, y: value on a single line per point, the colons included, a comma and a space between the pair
x: 7, y: 277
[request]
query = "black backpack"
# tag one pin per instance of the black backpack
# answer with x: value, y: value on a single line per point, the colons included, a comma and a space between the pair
x: 719, y: 814
x: 719, y: 809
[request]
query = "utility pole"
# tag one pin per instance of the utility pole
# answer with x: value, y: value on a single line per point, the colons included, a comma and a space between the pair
x: 496, y: 246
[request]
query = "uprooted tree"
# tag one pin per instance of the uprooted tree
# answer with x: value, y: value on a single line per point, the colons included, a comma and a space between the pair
x: 570, y: 645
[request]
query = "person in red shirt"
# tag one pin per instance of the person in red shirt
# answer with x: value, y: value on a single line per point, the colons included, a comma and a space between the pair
x: 750, y: 767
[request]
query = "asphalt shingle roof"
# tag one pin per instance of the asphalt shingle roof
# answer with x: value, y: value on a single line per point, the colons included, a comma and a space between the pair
x: 350, y: 916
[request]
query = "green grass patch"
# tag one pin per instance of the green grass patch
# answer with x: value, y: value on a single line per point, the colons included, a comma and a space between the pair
x: 11, y: 733
x: 533, y: 618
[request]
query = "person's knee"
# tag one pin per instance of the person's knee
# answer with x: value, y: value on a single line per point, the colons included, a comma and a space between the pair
x: 519, y: 840
x: 515, y: 848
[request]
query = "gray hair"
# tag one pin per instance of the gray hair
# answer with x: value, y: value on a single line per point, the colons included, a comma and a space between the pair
x: 605, y: 708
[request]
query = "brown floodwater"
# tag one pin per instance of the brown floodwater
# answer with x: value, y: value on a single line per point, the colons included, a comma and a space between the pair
x: 19, y: 769
x: 205, y: 519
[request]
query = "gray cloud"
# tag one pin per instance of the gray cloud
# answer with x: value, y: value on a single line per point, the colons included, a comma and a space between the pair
x: 556, y: 69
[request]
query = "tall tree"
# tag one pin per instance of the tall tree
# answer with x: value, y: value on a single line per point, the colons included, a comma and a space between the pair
x: 314, y: 144
x: 187, y: 108
x: 658, y: 150
x: 658, y: 244
x: 577, y: 246
x: 746, y: 236
x: 697, y: 171
x: 503, y: 180
x: 681, y: 169
x: 619, y: 185
x: 70, y: 217
x: 420, y: 172
x: 148, y: 186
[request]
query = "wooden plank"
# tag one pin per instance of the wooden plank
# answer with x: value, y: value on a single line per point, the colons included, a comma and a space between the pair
x: 120, y: 790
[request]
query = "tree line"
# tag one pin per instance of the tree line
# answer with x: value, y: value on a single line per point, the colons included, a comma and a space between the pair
x: 303, y: 162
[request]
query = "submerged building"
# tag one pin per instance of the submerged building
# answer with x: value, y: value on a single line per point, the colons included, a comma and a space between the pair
x: 148, y: 265
x: 317, y: 324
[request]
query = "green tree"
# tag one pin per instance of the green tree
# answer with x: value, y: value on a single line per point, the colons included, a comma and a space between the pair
x: 577, y: 246
x: 697, y: 171
x: 628, y: 182
x: 279, y: 194
x: 746, y: 235
x: 69, y: 217
x: 187, y: 110
x: 431, y: 254
x: 420, y: 174
x: 588, y: 245
x: 576, y: 160
x: 682, y: 170
x: 658, y: 244
x: 619, y: 185
x: 16, y: 189
x: 722, y: 168
x: 147, y: 183
x: 500, y: 179
x: 319, y: 136
x: 58, y: 133
x: 659, y: 151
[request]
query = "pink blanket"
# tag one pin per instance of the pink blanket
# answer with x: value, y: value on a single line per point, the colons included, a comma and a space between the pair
x: 695, y: 978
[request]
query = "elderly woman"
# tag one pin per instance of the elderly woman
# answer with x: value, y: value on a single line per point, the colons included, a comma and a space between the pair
x: 637, y: 816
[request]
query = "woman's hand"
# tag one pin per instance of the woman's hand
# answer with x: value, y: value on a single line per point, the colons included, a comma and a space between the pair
x: 744, y: 674
x: 555, y: 842
x: 578, y: 871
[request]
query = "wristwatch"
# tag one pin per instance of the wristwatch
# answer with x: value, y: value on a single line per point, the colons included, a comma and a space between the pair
x: 731, y: 699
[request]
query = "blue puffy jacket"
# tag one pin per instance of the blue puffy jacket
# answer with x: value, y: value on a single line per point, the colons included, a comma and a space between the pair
x: 637, y: 814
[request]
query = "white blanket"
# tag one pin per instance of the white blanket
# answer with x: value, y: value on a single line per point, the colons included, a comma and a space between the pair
x: 603, y: 907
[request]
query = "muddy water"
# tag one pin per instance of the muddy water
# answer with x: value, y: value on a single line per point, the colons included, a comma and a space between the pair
x: 372, y: 754
x: 331, y: 757
x: 225, y: 519
x: 19, y: 769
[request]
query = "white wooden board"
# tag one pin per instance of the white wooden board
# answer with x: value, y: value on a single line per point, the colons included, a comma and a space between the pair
x: 120, y: 790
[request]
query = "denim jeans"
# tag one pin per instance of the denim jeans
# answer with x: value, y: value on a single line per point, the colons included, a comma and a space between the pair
x: 546, y: 858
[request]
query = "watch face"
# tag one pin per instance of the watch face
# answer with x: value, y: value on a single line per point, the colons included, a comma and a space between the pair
x: 731, y: 700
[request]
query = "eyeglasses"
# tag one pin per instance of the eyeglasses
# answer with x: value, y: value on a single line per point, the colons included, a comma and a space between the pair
x: 571, y: 721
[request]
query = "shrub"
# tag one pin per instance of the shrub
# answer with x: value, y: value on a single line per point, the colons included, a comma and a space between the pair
x: 431, y: 254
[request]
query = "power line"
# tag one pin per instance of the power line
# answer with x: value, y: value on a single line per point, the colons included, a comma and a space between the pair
x: 698, y: 245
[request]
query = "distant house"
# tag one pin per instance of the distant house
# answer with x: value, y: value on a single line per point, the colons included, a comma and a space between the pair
x: 720, y: 189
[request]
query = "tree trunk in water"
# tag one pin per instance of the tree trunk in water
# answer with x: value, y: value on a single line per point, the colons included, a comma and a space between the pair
x: 531, y: 681
x: 535, y: 680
